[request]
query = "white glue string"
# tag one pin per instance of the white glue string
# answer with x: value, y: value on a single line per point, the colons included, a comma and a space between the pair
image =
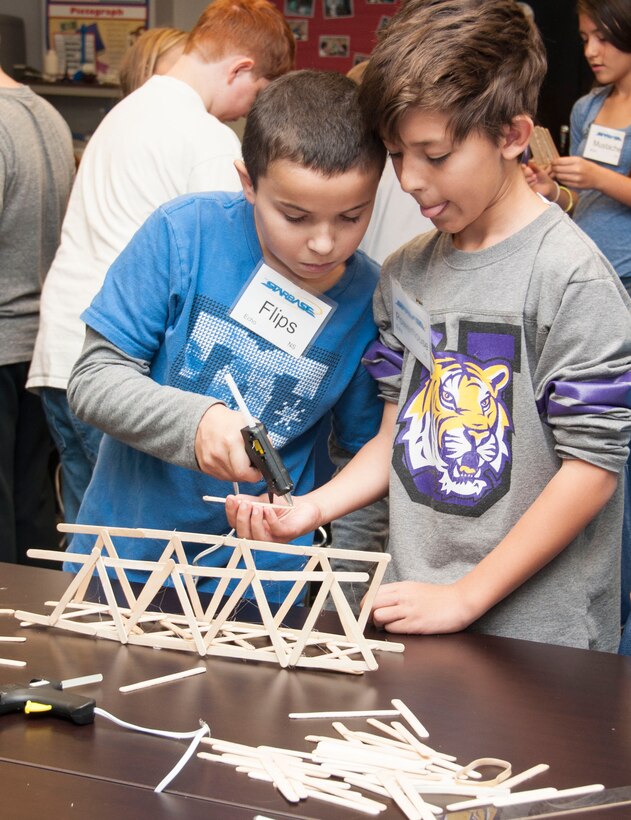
x: 204, y: 730
x: 220, y: 543
x: 196, y: 737
x: 135, y: 728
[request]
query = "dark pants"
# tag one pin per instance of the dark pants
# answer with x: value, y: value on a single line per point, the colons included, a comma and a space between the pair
x: 27, y: 497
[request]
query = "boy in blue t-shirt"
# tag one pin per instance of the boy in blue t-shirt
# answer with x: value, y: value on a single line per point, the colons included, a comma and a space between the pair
x: 506, y: 423
x: 266, y: 286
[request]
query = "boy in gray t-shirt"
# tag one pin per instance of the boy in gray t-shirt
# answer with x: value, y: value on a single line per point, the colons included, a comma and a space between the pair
x: 501, y: 446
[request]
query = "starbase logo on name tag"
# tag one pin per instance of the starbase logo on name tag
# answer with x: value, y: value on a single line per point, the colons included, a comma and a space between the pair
x: 280, y: 311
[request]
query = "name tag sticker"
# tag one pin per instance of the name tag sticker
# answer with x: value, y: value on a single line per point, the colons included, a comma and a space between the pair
x: 411, y: 325
x: 604, y: 144
x: 285, y: 314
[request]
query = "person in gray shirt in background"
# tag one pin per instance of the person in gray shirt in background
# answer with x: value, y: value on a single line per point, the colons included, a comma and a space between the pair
x: 36, y: 172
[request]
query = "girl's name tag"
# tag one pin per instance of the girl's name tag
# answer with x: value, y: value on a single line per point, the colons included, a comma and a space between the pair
x: 280, y: 311
x: 411, y: 325
x: 604, y: 144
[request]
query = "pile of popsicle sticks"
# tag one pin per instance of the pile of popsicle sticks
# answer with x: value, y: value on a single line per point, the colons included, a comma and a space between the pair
x: 359, y: 769
x: 213, y: 628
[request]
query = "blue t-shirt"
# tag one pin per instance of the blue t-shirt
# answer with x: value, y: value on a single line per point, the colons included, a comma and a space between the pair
x: 166, y: 300
x: 605, y: 220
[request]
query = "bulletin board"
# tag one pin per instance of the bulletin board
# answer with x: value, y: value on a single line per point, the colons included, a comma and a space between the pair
x: 94, y: 32
x: 335, y: 35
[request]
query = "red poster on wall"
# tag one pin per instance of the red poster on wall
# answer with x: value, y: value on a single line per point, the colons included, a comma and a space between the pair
x: 335, y: 35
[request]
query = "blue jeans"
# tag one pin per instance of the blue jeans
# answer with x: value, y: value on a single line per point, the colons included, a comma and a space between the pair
x: 78, y: 446
x: 27, y: 496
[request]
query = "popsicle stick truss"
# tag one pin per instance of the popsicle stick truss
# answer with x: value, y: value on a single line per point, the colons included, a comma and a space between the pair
x: 213, y: 628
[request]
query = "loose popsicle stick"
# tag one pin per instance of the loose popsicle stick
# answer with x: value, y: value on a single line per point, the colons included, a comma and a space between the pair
x: 411, y: 718
x: 521, y: 777
x: 132, y: 687
x: 389, y: 782
x: 85, y: 680
x: 217, y: 499
x: 378, y: 740
x: 340, y: 801
x: 547, y: 794
x: 474, y: 803
x: 8, y: 662
x: 335, y: 715
x: 365, y: 783
x: 426, y: 810
x: 10, y: 639
x: 284, y: 785
x: 7, y: 611
x: 525, y: 797
x: 346, y: 733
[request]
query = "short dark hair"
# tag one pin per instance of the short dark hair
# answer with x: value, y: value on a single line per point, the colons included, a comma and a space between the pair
x: 613, y: 18
x: 312, y: 118
x: 479, y: 62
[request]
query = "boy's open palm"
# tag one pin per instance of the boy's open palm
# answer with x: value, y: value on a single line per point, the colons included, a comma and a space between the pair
x: 219, y: 447
x: 413, y: 607
x: 266, y: 523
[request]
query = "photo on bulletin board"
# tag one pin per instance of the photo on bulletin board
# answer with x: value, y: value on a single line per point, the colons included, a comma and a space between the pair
x: 337, y: 31
x: 299, y: 8
x: 383, y: 23
x: 300, y: 30
x: 358, y: 58
x: 334, y: 9
x: 330, y: 46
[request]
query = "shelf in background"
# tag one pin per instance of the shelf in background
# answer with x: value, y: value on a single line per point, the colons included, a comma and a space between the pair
x: 76, y: 90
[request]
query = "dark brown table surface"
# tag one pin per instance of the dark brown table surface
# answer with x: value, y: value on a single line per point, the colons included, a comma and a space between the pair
x: 478, y: 696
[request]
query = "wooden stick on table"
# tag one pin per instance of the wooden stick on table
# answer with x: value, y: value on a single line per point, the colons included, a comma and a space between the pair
x: 145, y: 684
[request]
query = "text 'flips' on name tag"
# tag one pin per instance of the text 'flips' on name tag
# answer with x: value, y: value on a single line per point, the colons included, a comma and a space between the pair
x: 280, y: 311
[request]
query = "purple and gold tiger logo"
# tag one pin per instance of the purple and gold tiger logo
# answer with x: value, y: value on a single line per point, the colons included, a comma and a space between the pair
x: 455, y: 430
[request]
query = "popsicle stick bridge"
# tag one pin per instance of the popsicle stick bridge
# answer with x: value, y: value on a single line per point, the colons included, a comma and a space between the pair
x: 213, y: 629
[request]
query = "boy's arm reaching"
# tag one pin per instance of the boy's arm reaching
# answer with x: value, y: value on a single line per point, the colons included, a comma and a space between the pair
x: 572, y: 498
x: 362, y: 481
x: 114, y: 392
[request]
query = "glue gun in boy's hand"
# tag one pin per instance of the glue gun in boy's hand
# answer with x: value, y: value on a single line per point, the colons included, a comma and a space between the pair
x: 265, y: 458
x: 47, y: 700
x: 261, y: 452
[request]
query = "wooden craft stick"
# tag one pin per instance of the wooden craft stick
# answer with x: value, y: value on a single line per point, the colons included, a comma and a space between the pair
x: 9, y: 639
x: 347, y: 803
x: 474, y: 803
x: 364, y: 782
x: 217, y: 499
x: 389, y: 782
x: 346, y: 733
x: 335, y: 715
x: 426, y: 810
x: 280, y: 781
x: 145, y: 684
x: 7, y: 611
x: 577, y: 791
x: 525, y: 797
x: 8, y: 662
x: 521, y: 777
x: 411, y: 718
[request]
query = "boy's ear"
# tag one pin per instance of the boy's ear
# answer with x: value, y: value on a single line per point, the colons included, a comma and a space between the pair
x: 516, y: 136
x: 238, y: 66
x: 246, y: 182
